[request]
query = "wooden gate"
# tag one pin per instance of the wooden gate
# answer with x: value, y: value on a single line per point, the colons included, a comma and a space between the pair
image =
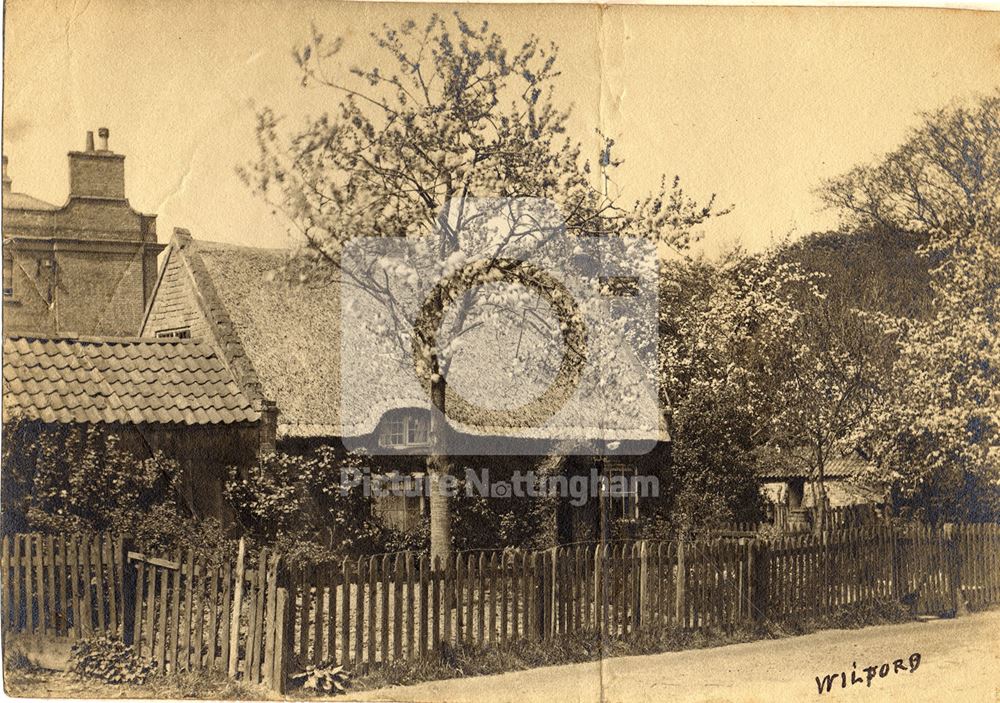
x: 191, y: 614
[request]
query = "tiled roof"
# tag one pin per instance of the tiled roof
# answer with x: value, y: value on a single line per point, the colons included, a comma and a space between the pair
x: 792, y: 465
x: 284, y: 339
x: 130, y: 381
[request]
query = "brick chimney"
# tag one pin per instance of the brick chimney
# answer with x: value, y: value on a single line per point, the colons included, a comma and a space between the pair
x: 97, y: 173
x: 6, y: 178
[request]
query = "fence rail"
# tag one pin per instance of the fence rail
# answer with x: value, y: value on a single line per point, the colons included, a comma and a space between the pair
x: 257, y: 619
x: 839, y: 517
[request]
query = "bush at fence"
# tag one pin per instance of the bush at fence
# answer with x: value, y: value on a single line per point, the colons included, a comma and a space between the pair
x: 325, y: 678
x: 294, y: 504
x: 109, y: 660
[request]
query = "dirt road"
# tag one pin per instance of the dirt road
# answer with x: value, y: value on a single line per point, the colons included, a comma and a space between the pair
x: 959, y: 661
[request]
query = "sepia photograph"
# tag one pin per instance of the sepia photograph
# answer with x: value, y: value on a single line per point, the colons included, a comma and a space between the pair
x: 489, y: 353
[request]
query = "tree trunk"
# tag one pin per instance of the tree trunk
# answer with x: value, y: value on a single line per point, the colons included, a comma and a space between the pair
x: 545, y: 507
x: 439, y: 466
x: 821, y: 499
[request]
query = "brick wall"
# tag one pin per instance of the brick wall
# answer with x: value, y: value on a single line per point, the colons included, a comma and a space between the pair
x: 97, y: 174
x: 86, y: 268
x: 101, y: 293
x: 31, y: 286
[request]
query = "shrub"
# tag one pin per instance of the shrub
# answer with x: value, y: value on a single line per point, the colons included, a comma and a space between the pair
x: 15, y: 659
x: 109, y: 660
x: 294, y: 504
x: 90, y: 479
x: 325, y: 678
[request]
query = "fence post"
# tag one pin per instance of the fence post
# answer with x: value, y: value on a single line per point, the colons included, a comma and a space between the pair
x: 680, y: 607
x: 539, y: 599
x: 758, y: 579
x: 824, y: 599
x: 551, y: 616
x: 234, y: 629
x: 129, y: 595
x: 282, y: 643
x: 598, y: 588
x: 897, y: 590
x: 643, y: 584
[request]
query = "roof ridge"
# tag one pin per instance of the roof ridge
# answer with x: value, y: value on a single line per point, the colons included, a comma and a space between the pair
x: 214, y: 311
x: 31, y: 202
x: 206, y: 244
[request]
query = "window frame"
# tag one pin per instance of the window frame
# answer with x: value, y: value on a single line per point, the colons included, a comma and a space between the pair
x: 404, y: 430
x: 623, y: 507
x: 174, y: 333
x: 8, y: 277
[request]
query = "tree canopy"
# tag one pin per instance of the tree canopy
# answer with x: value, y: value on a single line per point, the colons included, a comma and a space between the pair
x: 937, y: 431
x: 450, y: 114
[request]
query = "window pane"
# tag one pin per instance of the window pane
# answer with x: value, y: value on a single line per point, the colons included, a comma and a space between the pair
x: 624, y: 494
x: 177, y: 333
x: 392, y: 435
x: 416, y: 430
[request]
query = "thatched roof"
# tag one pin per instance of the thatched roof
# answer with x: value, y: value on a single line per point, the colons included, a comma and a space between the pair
x: 285, y: 341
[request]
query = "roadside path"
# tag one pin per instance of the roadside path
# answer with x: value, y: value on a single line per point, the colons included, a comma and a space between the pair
x: 959, y: 661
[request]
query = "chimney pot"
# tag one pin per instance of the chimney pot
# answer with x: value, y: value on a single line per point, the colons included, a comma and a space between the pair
x: 90, y: 140
x: 103, y: 134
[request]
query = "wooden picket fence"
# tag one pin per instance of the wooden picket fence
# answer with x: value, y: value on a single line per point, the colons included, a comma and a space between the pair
x: 367, y: 612
x: 259, y: 618
x: 61, y: 585
x: 979, y: 557
x: 190, y: 615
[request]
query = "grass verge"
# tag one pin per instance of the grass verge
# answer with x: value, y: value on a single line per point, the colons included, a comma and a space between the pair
x: 452, y: 661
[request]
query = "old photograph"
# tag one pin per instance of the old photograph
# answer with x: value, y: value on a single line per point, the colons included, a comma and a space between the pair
x: 488, y: 353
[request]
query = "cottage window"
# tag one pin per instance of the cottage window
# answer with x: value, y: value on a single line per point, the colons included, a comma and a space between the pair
x: 623, y: 494
x: 416, y: 430
x: 406, y: 430
x: 403, y: 507
x: 175, y: 333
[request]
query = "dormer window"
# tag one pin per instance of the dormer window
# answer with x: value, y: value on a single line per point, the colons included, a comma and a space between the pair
x: 404, y: 430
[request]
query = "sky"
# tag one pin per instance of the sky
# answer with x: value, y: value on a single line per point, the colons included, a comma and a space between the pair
x: 756, y: 105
